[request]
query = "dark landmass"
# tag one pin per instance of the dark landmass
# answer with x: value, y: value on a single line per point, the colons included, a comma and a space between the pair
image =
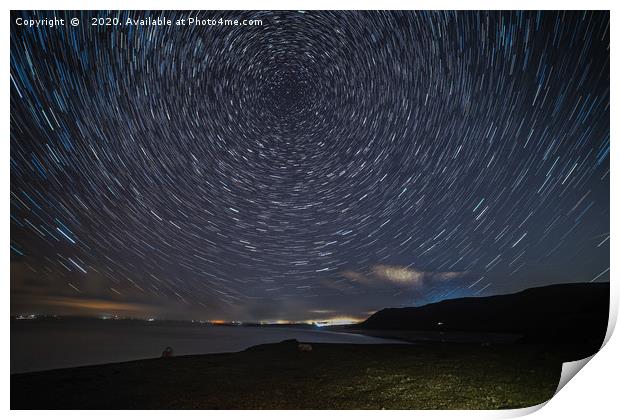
x: 331, y: 376
x: 570, y: 317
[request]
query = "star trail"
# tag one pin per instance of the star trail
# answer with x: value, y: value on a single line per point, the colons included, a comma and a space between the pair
x: 312, y: 164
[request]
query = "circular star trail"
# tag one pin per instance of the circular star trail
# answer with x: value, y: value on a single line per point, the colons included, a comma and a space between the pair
x: 310, y: 164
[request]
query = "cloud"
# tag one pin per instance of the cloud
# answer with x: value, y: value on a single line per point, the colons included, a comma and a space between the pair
x: 56, y: 292
x: 62, y: 305
x: 398, y: 274
x: 448, y: 275
x: 357, y: 277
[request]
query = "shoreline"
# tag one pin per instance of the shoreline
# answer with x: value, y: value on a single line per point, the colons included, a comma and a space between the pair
x: 41, y: 345
x: 421, y: 336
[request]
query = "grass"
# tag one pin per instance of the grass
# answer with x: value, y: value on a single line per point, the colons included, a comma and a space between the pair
x: 331, y: 376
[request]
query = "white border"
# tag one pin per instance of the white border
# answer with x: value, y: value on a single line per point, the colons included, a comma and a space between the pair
x: 592, y: 394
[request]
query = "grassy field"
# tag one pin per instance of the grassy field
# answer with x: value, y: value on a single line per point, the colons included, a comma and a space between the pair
x: 331, y: 376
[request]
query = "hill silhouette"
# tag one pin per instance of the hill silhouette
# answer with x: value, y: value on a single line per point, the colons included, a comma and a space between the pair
x: 569, y: 315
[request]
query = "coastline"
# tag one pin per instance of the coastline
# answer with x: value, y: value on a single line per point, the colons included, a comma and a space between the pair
x: 431, y: 336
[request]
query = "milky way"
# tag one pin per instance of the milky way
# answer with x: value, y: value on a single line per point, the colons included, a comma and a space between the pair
x: 310, y: 165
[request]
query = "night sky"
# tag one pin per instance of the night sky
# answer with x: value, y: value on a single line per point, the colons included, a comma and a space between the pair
x: 318, y: 165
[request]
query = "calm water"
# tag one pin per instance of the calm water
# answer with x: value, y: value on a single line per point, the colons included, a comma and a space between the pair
x: 57, y: 343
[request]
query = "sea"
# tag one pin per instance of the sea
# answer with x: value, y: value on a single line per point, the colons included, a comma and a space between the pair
x: 53, y: 343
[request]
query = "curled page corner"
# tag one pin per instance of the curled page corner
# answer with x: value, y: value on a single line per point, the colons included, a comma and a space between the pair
x: 521, y: 412
x: 569, y: 370
x: 614, y: 299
